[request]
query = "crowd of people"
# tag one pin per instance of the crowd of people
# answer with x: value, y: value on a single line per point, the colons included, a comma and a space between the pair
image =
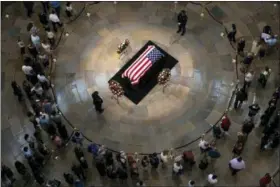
x: 46, y: 117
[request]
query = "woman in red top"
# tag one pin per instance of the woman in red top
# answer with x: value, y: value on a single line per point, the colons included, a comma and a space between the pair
x: 225, y: 124
x: 265, y: 180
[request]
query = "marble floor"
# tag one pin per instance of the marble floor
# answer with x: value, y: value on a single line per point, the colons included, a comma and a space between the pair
x: 198, y: 94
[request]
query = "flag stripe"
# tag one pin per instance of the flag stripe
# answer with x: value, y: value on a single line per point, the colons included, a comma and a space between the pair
x: 127, y: 71
x: 139, y: 60
x: 142, y: 64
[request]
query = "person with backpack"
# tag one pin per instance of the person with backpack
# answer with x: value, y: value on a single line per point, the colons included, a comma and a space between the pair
x: 154, y: 160
x: 253, y: 110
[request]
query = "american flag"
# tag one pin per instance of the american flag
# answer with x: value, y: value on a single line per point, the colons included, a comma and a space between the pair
x: 142, y: 64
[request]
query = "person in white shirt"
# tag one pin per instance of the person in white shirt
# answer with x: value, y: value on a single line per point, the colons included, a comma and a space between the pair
x: 248, y: 79
x: 177, y: 168
x: 69, y: 9
x: 55, y: 20
x: 203, y: 145
x: 27, y: 70
x: 164, y: 157
x: 46, y: 46
x: 36, y: 41
x: 191, y: 183
x: 43, y: 80
x: 236, y: 165
x: 50, y: 36
x: 212, y: 179
x: 264, y: 76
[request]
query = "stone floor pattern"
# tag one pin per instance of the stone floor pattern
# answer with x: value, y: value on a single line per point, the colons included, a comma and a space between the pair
x: 198, y: 94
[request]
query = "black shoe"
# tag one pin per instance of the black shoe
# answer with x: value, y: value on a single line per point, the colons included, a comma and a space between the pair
x: 182, y: 34
x: 178, y: 31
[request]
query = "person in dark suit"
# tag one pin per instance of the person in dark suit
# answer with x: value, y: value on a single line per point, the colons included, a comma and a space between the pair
x: 232, y: 33
x: 182, y: 21
x: 97, y: 102
x: 241, y: 96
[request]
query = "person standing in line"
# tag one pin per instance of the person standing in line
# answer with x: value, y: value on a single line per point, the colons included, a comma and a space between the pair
x: 177, y: 168
x: 241, y: 96
x: 21, y: 46
x: 21, y: 169
x: 46, y: 6
x: 53, y: 17
x: 78, y: 171
x: 248, y: 126
x: 154, y: 160
x: 28, y: 71
x: 7, y: 172
x: 62, y: 131
x: 68, y: 178
x: 17, y: 90
x: 212, y: 179
x: 164, y: 158
x: 241, y: 46
x: 56, y: 6
x: 78, y: 138
x: 100, y: 165
x: 256, y: 45
x: 225, y: 124
x: 50, y: 36
x: 69, y: 10
x: 32, y: 50
x: 46, y: 46
x: 44, y: 81
x: 145, y: 163
x: 265, y: 180
x: 97, y: 101
x: 29, y: 7
x: 43, y: 19
x: 36, y: 41
x: 248, y: 79
x: 203, y: 145
x: 27, y: 89
x: 264, y: 76
x: 236, y: 165
x: 38, y: 90
x: 182, y: 22
x: 232, y: 33
x: 30, y: 140
x: 253, y: 110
